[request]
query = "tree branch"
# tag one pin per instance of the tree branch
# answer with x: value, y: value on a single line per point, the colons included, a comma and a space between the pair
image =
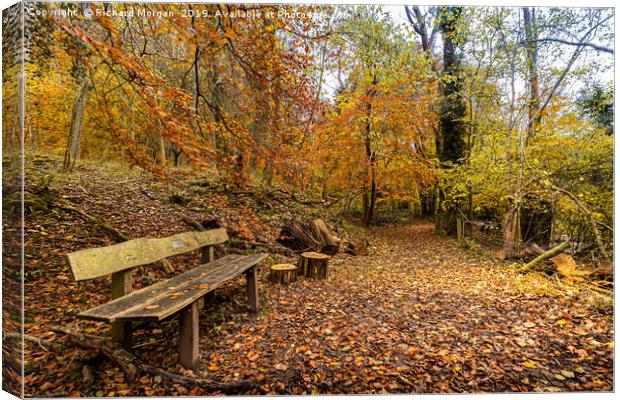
x: 581, y: 43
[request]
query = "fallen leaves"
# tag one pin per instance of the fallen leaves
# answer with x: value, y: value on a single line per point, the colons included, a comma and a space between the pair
x: 418, y: 314
x: 568, y: 374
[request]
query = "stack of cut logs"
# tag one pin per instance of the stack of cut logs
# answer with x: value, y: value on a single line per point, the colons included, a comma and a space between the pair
x: 318, y: 244
x: 316, y: 236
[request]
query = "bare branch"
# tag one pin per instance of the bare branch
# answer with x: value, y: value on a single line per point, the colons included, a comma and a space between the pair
x: 583, y: 44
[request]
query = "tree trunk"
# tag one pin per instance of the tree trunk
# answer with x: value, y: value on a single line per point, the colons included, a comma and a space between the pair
x: 72, y: 152
x: 531, y: 35
x: 162, y: 148
x: 450, y: 141
x: 370, y: 194
x: 453, y: 109
x: 268, y: 174
x: 512, y: 232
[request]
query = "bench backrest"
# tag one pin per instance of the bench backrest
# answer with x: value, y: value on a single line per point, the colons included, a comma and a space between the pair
x: 101, y: 261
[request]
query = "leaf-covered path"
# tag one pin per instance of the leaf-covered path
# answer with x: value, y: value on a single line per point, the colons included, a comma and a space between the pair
x: 417, y: 315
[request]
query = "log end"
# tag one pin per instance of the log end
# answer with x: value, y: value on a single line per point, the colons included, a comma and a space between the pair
x: 283, y: 273
x: 314, y: 255
x: 283, y: 267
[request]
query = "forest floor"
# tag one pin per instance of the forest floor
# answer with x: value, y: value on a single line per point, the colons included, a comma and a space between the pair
x: 418, y: 314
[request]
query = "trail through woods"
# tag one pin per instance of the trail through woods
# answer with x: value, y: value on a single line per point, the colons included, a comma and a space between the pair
x: 418, y: 314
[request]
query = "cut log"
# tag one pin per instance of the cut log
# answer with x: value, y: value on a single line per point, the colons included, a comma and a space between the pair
x: 313, y: 265
x: 533, y: 249
x: 328, y: 244
x: 295, y: 235
x: 356, y: 247
x: 545, y: 256
x: 283, y: 274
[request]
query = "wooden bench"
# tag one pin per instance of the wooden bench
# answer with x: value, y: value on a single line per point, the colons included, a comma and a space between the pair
x: 180, y: 294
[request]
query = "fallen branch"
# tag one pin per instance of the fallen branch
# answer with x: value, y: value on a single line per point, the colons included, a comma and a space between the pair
x: 545, y: 256
x: 130, y: 365
x: 593, y: 222
x: 193, y: 223
x: 41, y: 342
x: 121, y: 236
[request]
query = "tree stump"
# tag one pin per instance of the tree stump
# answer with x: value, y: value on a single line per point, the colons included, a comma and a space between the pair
x: 283, y: 274
x: 313, y: 265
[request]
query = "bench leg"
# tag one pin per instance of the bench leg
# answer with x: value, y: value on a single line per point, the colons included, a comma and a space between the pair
x: 208, y: 255
x: 121, y: 333
x: 189, y: 337
x: 121, y: 286
x: 252, y: 288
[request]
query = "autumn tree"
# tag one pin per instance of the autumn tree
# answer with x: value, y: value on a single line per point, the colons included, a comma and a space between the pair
x: 382, y: 110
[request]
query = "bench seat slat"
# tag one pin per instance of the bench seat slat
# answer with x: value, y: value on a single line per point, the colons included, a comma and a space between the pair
x: 132, y: 307
x: 106, y: 312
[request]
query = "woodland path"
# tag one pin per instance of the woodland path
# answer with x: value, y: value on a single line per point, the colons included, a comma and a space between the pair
x: 418, y: 314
